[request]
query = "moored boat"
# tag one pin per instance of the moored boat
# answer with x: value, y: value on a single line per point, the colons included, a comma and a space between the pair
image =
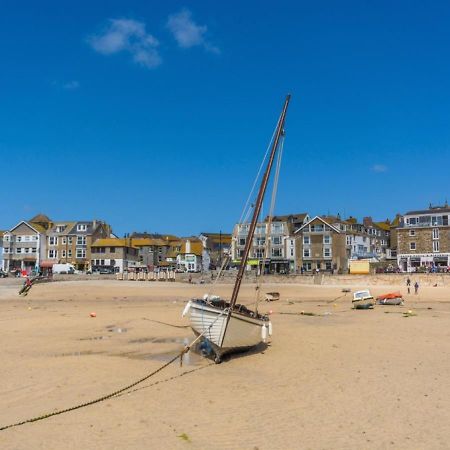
x: 228, y: 327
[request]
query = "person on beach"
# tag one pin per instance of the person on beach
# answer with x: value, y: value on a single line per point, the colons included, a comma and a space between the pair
x: 416, y: 287
x: 408, y: 285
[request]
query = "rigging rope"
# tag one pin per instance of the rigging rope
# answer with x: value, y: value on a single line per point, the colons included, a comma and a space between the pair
x: 245, y: 212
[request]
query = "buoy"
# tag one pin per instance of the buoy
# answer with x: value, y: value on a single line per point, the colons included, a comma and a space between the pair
x: 186, y: 309
x: 93, y: 314
x: 264, y: 333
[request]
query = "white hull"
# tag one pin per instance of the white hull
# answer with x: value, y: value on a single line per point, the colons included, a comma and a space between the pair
x: 241, y: 332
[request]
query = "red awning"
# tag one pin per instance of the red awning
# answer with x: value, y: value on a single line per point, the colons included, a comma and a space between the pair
x: 47, y: 263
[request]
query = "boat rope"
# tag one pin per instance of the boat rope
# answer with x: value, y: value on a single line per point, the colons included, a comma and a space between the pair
x: 266, y: 255
x: 246, y: 211
x: 165, y: 323
x: 118, y: 391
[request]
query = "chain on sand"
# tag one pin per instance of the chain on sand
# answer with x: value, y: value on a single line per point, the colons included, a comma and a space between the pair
x: 97, y: 400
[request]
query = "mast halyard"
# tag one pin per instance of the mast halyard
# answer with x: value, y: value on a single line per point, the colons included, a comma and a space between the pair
x: 258, y: 204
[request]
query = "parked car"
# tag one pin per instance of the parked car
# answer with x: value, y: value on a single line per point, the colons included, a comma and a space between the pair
x: 3, y: 274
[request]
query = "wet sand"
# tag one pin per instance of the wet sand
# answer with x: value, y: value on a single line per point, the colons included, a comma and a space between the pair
x: 340, y: 379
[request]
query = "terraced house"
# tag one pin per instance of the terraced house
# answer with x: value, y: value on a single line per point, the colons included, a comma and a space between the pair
x: 321, y: 246
x: 23, y: 247
x: 423, y: 239
x: 277, y: 254
x: 70, y: 242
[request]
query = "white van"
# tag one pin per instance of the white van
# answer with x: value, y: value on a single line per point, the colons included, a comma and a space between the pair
x: 63, y: 268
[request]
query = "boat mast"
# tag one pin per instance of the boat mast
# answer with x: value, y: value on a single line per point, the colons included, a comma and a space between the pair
x: 259, y: 200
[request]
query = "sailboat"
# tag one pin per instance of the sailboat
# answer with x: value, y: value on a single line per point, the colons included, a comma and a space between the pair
x: 228, y: 327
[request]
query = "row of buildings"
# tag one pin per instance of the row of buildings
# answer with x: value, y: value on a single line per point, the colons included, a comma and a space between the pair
x: 40, y: 242
x: 417, y: 240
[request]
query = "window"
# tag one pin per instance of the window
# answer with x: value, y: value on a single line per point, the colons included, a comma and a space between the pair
x: 328, y: 265
x: 81, y: 253
x: 317, y: 228
x: 81, y: 240
x: 445, y: 220
x: 6, y: 238
x: 327, y: 239
x: 259, y: 253
x: 306, y: 253
x: 412, y: 232
x: 306, y: 240
x: 307, y: 266
x: 33, y: 250
x: 34, y: 238
x: 349, y: 240
x: 64, y: 240
x: 18, y: 250
x: 327, y: 252
x: 260, y: 229
x: 277, y: 227
x: 435, y: 246
x: 6, y: 250
x: 63, y: 253
x: 69, y: 253
x: 276, y: 252
x: 292, y: 252
x: 241, y: 241
x: 276, y: 240
x: 27, y: 238
x: 52, y: 240
x: 81, y: 227
x: 70, y: 240
x: 435, y: 233
x: 260, y: 241
x: 19, y: 239
x: 52, y: 254
x: 112, y: 249
x: 412, y: 245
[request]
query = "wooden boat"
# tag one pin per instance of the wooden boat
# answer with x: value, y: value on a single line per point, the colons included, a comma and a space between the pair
x: 392, y: 298
x: 363, y: 300
x: 226, y: 326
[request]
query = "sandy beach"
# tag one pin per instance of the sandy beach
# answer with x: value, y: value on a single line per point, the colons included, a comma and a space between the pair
x: 339, y: 379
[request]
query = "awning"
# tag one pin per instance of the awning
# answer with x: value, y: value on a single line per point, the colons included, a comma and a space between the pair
x: 47, y: 263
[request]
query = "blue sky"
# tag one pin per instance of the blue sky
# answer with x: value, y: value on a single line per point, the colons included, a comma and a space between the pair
x: 155, y: 115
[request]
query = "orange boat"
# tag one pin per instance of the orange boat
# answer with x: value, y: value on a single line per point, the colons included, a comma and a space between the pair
x: 391, y: 298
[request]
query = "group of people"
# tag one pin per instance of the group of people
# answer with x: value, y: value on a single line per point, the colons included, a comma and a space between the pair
x: 416, y: 286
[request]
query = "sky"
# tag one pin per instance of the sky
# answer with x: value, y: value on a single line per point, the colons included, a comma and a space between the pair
x: 154, y: 116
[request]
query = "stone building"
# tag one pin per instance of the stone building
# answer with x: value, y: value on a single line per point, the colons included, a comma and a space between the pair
x: 321, y: 246
x: 114, y: 254
x: 423, y: 239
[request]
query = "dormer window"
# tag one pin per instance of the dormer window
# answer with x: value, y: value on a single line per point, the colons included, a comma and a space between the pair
x: 81, y: 227
x: 60, y: 228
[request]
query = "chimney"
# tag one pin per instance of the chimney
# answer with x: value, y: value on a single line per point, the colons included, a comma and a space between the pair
x: 188, y: 246
x: 367, y: 221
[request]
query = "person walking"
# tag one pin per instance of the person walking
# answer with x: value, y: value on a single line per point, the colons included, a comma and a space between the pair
x: 408, y: 285
x: 416, y: 287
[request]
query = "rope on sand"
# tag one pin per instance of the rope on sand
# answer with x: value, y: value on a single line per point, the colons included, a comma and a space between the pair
x: 119, y: 391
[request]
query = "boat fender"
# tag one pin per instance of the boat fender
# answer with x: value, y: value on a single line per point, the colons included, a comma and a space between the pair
x: 264, y: 333
x: 205, y: 297
x: 186, y: 309
x: 270, y: 328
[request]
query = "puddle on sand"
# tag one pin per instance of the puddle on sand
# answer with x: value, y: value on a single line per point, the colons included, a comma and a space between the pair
x: 192, y: 358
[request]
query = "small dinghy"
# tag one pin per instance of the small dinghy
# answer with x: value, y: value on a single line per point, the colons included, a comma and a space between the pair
x: 363, y: 300
x: 392, y: 298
